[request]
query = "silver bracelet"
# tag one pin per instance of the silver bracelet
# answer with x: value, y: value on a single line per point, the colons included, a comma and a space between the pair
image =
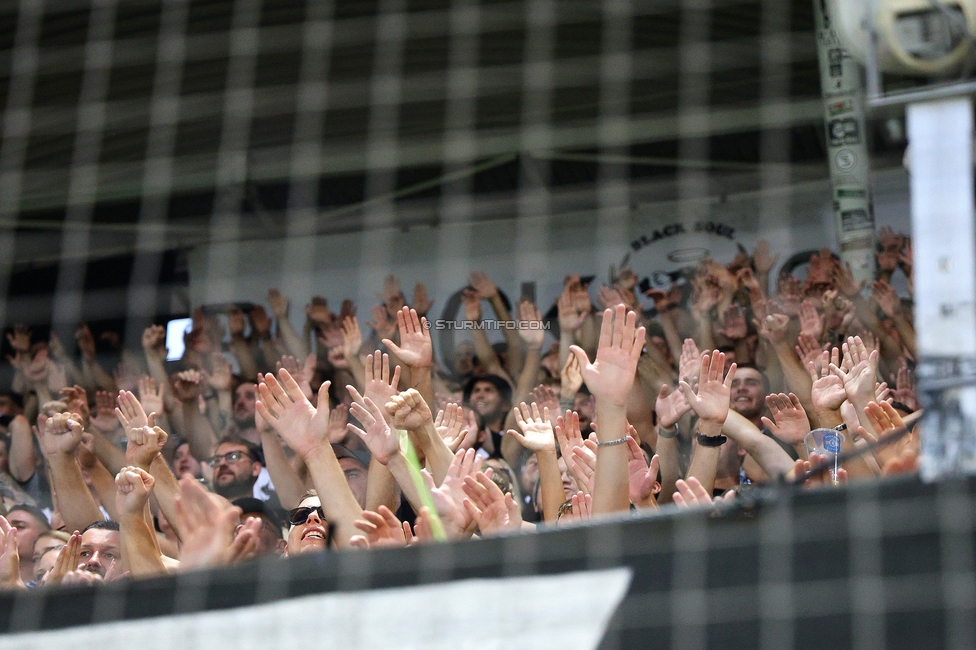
x: 611, y: 443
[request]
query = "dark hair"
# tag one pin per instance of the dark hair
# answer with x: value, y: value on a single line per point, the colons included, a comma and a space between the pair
x: 34, y: 512
x: 253, y: 450
x: 106, y: 524
x: 504, y: 388
x: 765, y: 379
x: 14, y: 397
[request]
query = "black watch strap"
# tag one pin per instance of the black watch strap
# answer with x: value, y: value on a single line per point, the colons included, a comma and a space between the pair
x: 711, y: 441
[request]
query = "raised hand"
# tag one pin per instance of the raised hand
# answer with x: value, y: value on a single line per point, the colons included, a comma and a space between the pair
x: 77, y: 400
x: 318, y: 311
x: 449, y: 497
x: 131, y: 414
x: 20, y: 339
x: 827, y: 392
x: 144, y: 444
x: 208, y: 530
x: 773, y: 328
x: 9, y: 557
x: 383, y: 324
x: 811, y: 322
x: 845, y: 282
x: 483, y: 285
x: 380, y: 439
x: 790, y: 422
x: 860, y: 380
x: 688, y: 362
x: 188, y: 385
x: 494, y: 512
x: 570, y: 316
x: 221, y: 375
x: 537, y: 434
x: 415, y: 349
x: 546, y: 397
x: 133, y: 487
x: 711, y: 402
x: 670, y: 406
x: 807, y: 349
x: 610, y: 298
x: 302, y: 373
x: 735, y: 324
x: 381, y: 529
x: 85, y: 341
x: 571, y: 377
x: 568, y: 434
x: 338, y: 421
x: 260, y: 321
x: 691, y: 494
x: 904, y: 388
x: 279, y: 304
x: 472, y: 305
x: 151, y: 395
x: 283, y: 405
x: 449, y: 424
x: 409, y: 410
x: 61, y: 434
x: 380, y: 386
x: 531, y: 326
x: 104, y: 419
x: 581, y: 507
x: 69, y: 557
x: 582, y: 464
x: 352, y: 337
x: 762, y: 259
x: 611, y: 376
x: 421, y: 302
x: 643, y: 478
x: 887, y: 298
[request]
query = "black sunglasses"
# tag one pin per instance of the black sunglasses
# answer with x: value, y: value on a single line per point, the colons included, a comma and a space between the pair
x: 300, y: 515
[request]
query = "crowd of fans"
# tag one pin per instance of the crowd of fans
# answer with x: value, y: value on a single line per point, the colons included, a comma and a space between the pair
x: 263, y: 440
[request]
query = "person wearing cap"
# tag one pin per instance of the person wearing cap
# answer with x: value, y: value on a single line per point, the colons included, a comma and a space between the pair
x: 355, y: 465
x: 271, y: 541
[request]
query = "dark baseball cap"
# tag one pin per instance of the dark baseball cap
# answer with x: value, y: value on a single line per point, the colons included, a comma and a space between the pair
x: 342, y: 451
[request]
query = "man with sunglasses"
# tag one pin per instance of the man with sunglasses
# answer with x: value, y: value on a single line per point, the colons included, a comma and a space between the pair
x: 236, y: 467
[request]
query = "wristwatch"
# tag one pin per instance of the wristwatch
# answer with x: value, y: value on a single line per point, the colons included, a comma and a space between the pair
x: 668, y: 433
x: 711, y: 441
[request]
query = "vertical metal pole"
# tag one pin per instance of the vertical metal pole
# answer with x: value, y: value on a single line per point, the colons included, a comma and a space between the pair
x: 847, y: 149
x: 944, y: 250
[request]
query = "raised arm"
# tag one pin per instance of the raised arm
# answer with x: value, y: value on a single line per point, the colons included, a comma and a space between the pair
x: 531, y: 332
x: 144, y: 446
x: 670, y: 408
x: 305, y: 428
x: 488, y: 291
x: 293, y: 341
x: 482, y: 347
x: 140, y: 549
x: 609, y: 379
x: 415, y: 350
x: 537, y: 436
x: 22, y: 459
x: 187, y: 387
x: 59, y: 440
x: 711, y: 403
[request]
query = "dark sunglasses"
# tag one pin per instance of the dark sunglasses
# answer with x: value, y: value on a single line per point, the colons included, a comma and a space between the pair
x: 300, y: 515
